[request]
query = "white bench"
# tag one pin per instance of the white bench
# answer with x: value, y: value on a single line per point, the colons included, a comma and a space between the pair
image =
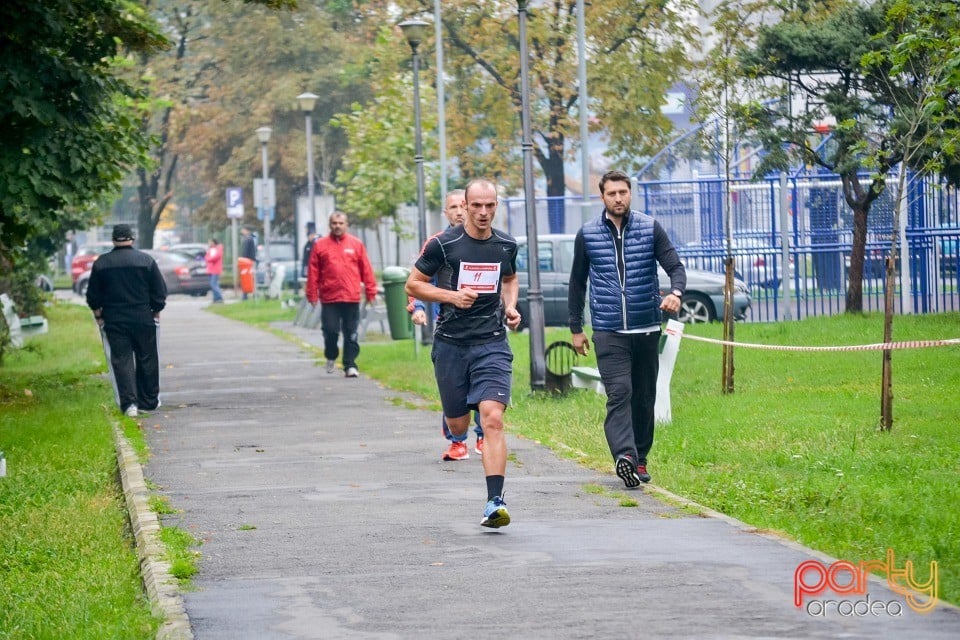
x: 589, y: 377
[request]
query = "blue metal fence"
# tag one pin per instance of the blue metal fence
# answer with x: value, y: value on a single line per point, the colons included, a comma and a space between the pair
x: 809, y: 213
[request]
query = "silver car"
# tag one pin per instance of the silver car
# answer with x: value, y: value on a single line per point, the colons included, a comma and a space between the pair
x: 702, y: 301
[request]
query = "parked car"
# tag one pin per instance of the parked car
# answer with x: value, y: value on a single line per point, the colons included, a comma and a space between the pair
x: 282, y: 252
x: 756, y: 261
x: 702, y: 301
x: 180, y: 271
x: 197, y: 250
x: 83, y: 261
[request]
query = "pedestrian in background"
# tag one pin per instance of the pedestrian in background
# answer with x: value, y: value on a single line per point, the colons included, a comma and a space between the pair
x: 248, y: 249
x: 307, y: 248
x: 127, y: 293
x: 619, y: 252
x: 475, y: 268
x: 454, y: 209
x: 69, y: 250
x: 214, y: 260
x: 339, y: 268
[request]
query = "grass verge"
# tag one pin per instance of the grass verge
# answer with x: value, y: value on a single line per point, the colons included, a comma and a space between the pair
x: 68, y: 568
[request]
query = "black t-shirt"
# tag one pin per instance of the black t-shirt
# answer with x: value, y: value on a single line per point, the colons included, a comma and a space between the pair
x: 453, y: 256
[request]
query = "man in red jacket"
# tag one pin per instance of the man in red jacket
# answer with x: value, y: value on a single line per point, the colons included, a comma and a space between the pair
x: 338, y: 266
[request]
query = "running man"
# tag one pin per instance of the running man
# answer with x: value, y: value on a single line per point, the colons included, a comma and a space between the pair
x: 476, y: 285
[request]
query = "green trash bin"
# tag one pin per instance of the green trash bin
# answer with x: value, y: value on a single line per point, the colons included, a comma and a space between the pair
x: 394, y: 279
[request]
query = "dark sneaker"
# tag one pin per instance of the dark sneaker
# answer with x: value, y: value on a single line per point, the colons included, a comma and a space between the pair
x: 495, y: 515
x: 627, y: 471
x: 642, y: 472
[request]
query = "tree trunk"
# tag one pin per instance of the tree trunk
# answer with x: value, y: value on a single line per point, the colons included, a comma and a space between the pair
x: 728, y: 330
x: 552, y: 166
x: 859, y: 200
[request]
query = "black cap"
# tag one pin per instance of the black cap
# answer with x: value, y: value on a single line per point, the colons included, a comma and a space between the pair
x: 122, y: 233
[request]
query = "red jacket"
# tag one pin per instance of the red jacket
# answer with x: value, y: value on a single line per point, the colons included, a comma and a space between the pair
x: 337, y: 268
x: 214, y: 260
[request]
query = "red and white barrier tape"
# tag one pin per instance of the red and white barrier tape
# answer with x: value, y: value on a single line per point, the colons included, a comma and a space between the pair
x: 880, y: 346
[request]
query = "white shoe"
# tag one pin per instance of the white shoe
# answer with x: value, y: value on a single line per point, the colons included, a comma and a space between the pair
x: 352, y: 372
x: 331, y: 366
x: 131, y: 411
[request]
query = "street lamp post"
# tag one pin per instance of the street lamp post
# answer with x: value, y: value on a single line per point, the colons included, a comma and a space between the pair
x: 263, y: 134
x: 538, y: 366
x: 307, y: 101
x: 415, y: 31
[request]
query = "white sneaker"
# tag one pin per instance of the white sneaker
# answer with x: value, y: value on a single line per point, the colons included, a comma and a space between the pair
x: 131, y: 411
x: 331, y: 366
x: 352, y: 372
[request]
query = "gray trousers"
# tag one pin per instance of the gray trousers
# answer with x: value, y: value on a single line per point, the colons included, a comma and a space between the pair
x: 629, y: 364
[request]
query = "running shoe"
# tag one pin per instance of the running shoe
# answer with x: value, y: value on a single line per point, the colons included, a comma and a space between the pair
x: 456, y: 451
x: 627, y: 471
x: 478, y: 448
x: 495, y: 515
x: 331, y: 366
x: 131, y: 411
x: 642, y: 472
x: 352, y: 372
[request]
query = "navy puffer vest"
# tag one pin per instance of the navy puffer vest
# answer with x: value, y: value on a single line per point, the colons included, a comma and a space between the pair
x: 614, y: 307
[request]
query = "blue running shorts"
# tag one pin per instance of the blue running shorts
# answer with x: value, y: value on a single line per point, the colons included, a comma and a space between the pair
x: 469, y: 374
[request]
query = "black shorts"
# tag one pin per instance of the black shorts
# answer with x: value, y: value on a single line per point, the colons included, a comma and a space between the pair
x: 468, y: 375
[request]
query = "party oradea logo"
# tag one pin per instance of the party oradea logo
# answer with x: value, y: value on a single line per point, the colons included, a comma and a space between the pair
x: 813, y: 580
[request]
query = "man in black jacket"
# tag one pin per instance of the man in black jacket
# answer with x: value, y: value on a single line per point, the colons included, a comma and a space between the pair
x: 127, y: 293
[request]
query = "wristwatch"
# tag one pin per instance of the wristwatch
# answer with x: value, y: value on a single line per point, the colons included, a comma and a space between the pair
x: 677, y: 292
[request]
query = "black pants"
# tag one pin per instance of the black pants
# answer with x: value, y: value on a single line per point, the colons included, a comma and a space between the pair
x: 629, y: 364
x: 135, y: 361
x: 337, y: 317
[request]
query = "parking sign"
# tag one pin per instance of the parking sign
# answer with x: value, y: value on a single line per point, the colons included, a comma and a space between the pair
x: 234, y: 202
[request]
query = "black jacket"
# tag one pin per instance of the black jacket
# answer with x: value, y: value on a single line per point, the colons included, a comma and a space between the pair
x: 127, y: 285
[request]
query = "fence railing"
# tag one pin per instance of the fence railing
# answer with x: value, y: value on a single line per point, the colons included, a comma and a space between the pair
x: 809, y: 216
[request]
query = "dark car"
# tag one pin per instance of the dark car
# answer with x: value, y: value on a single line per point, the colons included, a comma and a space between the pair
x: 181, y: 273
x: 198, y: 250
x: 702, y: 301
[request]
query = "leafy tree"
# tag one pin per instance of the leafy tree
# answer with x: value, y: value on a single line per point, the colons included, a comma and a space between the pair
x: 733, y: 29
x: 69, y: 123
x: 921, y: 71
x: 637, y: 51
x: 812, y: 58
x: 378, y: 172
x: 238, y: 68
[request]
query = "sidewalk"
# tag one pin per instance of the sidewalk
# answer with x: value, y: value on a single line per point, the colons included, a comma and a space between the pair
x: 325, y: 512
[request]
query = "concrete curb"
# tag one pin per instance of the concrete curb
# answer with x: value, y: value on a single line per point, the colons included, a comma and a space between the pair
x: 161, y: 587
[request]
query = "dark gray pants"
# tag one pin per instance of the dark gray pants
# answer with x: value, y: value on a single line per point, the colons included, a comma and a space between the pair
x: 135, y: 363
x: 629, y: 364
x: 337, y: 317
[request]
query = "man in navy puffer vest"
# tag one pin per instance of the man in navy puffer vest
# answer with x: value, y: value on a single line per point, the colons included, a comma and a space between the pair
x: 619, y: 252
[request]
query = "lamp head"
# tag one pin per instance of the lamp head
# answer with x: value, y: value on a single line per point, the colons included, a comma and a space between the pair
x: 307, y: 101
x: 263, y: 134
x: 415, y: 31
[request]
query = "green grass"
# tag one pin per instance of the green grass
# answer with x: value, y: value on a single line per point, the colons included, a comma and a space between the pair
x: 796, y: 449
x: 67, y: 564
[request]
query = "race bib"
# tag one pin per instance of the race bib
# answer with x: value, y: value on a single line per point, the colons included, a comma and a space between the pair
x: 482, y: 277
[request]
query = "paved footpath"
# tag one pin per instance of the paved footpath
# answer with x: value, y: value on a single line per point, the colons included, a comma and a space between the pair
x: 325, y: 512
